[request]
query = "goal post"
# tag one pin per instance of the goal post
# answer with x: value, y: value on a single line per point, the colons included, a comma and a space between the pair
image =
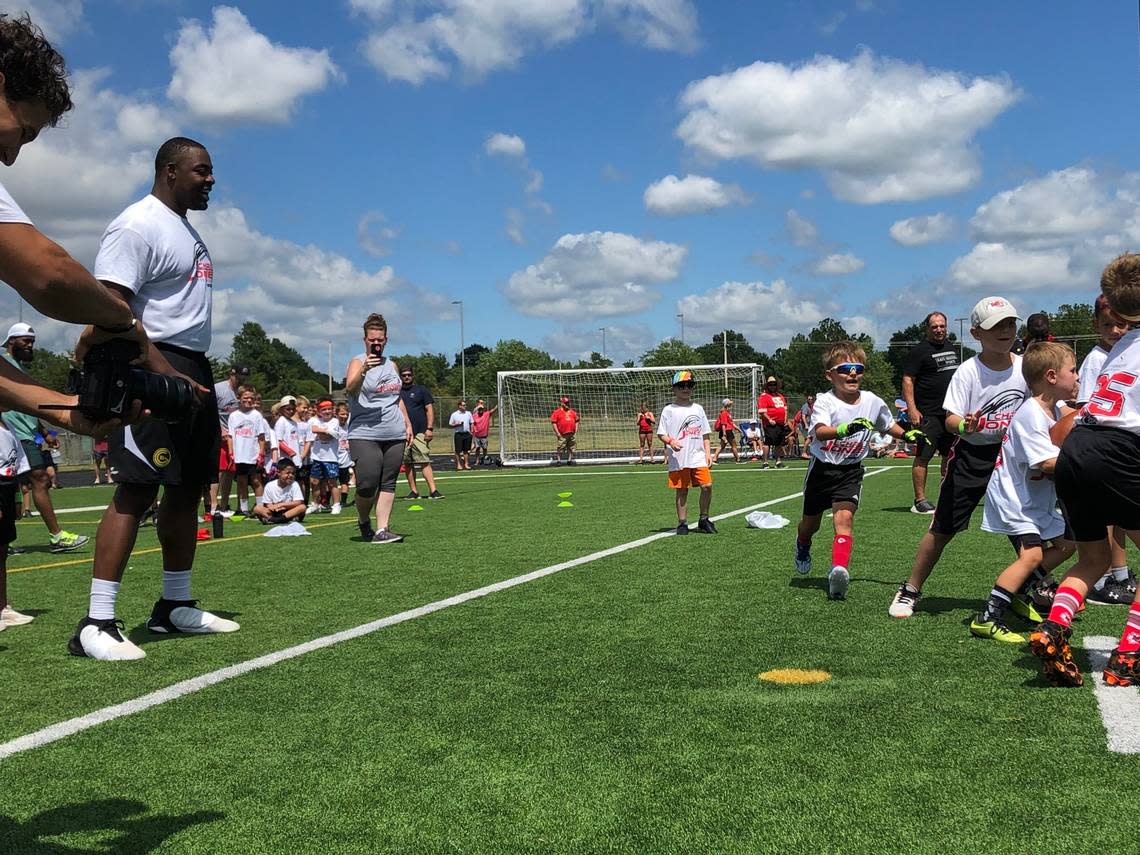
x: 607, y: 401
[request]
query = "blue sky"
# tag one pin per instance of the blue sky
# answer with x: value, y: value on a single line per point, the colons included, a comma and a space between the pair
x: 567, y: 165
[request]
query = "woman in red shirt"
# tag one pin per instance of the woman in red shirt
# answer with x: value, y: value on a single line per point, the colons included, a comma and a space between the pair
x: 645, y: 422
x: 726, y: 429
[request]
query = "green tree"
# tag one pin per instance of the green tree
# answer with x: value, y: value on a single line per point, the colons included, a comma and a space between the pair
x: 1069, y: 322
x: 739, y: 350
x: 50, y: 369
x: 276, y: 368
x: 672, y: 351
x: 507, y: 355
x: 596, y: 360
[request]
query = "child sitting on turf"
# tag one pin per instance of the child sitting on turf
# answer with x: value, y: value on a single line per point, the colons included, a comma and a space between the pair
x: 1098, y: 482
x: 684, y: 428
x: 1021, y: 502
x: 983, y: 395
x: 840, y: 428
x: 247, y: 444
x: 13, y: 462
x: 283, y: 501
x: 325, y: 472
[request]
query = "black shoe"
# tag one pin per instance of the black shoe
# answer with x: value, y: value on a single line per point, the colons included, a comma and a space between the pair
x: 683, y: 528
x: 411, y: 496
x: 571, y: 462
x: 706, y: 525
x: 435, y: 494
x: 367, y: 532
x: 1112, y: 594
x: 16, y: 550
x: 149, y: 517
x: 385, y: 536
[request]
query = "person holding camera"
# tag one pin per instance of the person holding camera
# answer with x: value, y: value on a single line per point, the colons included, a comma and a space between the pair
x: 153, y: 260
x: 378, y: 430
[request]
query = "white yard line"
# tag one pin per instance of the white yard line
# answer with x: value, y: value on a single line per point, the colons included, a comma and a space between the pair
x: 1119, y: 705
x: 55, y: 732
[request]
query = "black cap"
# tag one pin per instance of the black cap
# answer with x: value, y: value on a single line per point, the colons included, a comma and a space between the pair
x: 241, y: 370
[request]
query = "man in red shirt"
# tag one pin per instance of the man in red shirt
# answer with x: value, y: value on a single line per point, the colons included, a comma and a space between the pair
x: 773, y: 408
x: 481, y: 429
x: 565, y: 422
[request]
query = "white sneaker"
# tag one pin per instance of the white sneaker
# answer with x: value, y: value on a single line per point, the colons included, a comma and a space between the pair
x: 227, y: 514
x: 103, y: 639
x: 10, y: 617
x: 837, y: 581
x: 184, y: 616
x: 335, y: 509
x: 905, y: 599
x: 313, y: 509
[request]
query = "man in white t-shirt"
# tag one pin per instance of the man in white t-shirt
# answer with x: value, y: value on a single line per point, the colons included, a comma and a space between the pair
x: 684, y: 428
x: 460, y: 422
x: 153, y: 260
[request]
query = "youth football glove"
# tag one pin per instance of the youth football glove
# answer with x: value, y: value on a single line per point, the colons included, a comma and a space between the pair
x: 915, y: 435
x: 854, y: 426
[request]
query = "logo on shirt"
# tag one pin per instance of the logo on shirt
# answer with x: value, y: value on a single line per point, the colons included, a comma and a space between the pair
x: 203, y: 268
x: 690, y: 427
x: 997, y: 413
x: 161, y: 458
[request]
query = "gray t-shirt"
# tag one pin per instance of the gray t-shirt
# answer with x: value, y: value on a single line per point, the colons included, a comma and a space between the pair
x: 374, y: 413
x: 227, y: 402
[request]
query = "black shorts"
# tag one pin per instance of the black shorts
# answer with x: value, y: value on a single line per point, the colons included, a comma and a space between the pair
x: 728, y: 436
x: 1098, y: 481
x: 828, y: 483
x: 9, y: 489
x: 37, y: 457
x: 344, y: 475
x: 462, y: 442
x: 968, y: 471
x: 245, y: 468
x: 775, y: 434
x: 1029, y: 541
x: 941, y: 439
x: 183, y: 453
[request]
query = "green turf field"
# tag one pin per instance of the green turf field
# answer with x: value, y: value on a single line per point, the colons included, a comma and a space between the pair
x: 613, y: 706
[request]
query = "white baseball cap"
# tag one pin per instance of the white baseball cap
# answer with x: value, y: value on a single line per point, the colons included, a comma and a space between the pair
x: 19, y: 331
x: 989, y: 311
x: 726, y: 402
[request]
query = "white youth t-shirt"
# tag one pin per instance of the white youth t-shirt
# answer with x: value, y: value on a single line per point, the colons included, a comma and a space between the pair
x: 13, y: 461
x: 1019, y: 499
x: 10, y: 212
x: 325, y: 445
x: 244, y: 430
x: 343, y: 455
x: 1090, y: 368
x: 1114, y: 400
x: 159, y: 257
x: 275, y: 493
x: 287, y: 432
x: 996, y: 394
x: 689, y: 425
x: 831, y: 411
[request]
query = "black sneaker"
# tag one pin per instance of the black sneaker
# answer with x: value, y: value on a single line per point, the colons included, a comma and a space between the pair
x: 411, y: 496
x: 706, y: 525
x: 435, y: 494
x: 170, y: 616
x: 16, y: 550
x: 366, y: 530
x: 1112, y: 594
x: 571, y: 462
x: 385, y: 536
x: 683, y: 528
x: 277, y: 519
x: 102, y: 639
x: 923, y: 507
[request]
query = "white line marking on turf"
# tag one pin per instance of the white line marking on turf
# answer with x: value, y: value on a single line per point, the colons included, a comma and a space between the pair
x: 1119, y: 705
x: 55, y: 732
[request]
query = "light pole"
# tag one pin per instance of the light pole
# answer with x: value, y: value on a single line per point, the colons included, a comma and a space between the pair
x: 603, y: 331
x: 330, y: 366
x: 681, y: 316
x: 462, y: 349
x: 961, y: 341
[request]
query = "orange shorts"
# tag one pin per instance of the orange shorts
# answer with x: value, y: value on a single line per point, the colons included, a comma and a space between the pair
x: 682, y: 479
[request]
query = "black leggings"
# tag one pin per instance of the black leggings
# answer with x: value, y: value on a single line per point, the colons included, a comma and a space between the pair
x: 377, y: 463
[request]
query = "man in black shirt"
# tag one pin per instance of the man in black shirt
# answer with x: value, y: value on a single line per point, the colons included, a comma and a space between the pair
x: 926, y: 376
x: 421, y: 412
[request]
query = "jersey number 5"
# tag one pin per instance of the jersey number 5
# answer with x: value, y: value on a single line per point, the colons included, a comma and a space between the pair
x: 1108, y: 399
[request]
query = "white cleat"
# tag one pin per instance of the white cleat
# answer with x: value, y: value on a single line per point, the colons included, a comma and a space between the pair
x: 905, y: 599
x: 10, y: 617
x: 171, y: 616
x: 103, y: 640
x: 335, y: 509
x: 837, y: 581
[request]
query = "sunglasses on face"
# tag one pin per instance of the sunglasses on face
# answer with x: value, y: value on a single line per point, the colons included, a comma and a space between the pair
x: 685, y: 384
x: 848, y: 368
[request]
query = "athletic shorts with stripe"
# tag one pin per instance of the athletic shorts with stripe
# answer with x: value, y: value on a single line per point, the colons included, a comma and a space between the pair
x: 184, y: 452
x: 968, y: 471
x: 828, y: 483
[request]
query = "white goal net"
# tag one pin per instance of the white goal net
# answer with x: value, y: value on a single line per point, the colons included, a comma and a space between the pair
x: 607, y: 401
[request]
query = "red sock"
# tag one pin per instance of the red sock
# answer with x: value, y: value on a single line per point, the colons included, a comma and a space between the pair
x: 841, y: 551
x: 1130, y: 640
x: 1066, y: 603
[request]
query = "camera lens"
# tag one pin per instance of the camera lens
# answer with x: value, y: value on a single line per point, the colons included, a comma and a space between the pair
x: 167, y: 398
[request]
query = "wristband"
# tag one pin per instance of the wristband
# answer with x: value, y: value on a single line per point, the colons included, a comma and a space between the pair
x: 962, y: 428
x: 119, y: 330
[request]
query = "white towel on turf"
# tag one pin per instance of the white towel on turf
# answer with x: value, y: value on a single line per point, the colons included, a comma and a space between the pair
x: 293, y: 529
x: 763, y: 519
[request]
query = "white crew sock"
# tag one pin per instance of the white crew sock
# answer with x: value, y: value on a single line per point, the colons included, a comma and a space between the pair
x: 101, y: 605
x: 176, y: 584
x: 1120, y: 574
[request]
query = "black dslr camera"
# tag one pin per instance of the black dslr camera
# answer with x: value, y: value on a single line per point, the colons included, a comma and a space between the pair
x: 107, y: 385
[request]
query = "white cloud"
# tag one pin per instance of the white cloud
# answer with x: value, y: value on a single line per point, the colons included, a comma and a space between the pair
x: 507, y: 145
x: 765, y: 313
x: 837, y: 264
x: 57, y: 18
x: 994, y: 266
x: 233, y: 73
x: 919, y: 231
x: 879, y: 130
x: 623, y: 341
x: 693, y: 194
x: 514, y: 226
x: 374, y: 234
x: 598, y: 274
x: 801, y: 230
x: 481, y: 37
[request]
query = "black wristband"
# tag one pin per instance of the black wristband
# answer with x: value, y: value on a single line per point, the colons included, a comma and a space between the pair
x: 119, y: 330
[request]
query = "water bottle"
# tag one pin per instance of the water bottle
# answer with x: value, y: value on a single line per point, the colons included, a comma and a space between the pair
x: 218, y: 521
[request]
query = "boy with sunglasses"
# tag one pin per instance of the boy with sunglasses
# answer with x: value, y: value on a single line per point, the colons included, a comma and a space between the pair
x: 684, y: 428
x: 840, y: 428
x: 984, y: 394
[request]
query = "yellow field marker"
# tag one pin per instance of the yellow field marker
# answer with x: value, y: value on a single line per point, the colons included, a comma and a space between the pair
x: 794, y: 676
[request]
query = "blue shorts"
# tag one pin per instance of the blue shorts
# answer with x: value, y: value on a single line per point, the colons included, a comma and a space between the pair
x: 325, y: 469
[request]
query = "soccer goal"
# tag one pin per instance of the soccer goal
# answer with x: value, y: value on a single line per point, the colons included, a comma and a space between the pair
x: 607, y: 401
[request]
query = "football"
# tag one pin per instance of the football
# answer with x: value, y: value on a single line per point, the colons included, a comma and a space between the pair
x: 1062, y: 428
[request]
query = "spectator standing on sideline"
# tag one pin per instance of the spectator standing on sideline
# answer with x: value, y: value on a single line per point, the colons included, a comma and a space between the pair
x: 19, y: 349
x: 803, y: 424
x: 460, y: 422
x: 927, y: 373
x: 421, y: 412
x: 565, y: 422
x: 773, y: 409
x: 226, y: 392
x: 325, y: 476
x: 1036, y: 329
x: 99, y: 456
x: 481, y: 429
x: 645, y: 423
x: 726, y: 431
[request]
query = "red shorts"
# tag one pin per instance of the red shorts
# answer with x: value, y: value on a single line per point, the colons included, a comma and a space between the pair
x: 225, y: 461
x: 682, y: 479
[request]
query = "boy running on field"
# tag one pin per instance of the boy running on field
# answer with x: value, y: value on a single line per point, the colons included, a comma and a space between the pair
x: 1118, y: 585
x: 984, y: 393
x: 1098, y: 483
x: 1021, y: 502
x: 684, y: 428
x: 840, y: 428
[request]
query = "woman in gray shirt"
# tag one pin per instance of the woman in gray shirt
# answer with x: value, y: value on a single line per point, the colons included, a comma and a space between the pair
x: 378, y: 429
